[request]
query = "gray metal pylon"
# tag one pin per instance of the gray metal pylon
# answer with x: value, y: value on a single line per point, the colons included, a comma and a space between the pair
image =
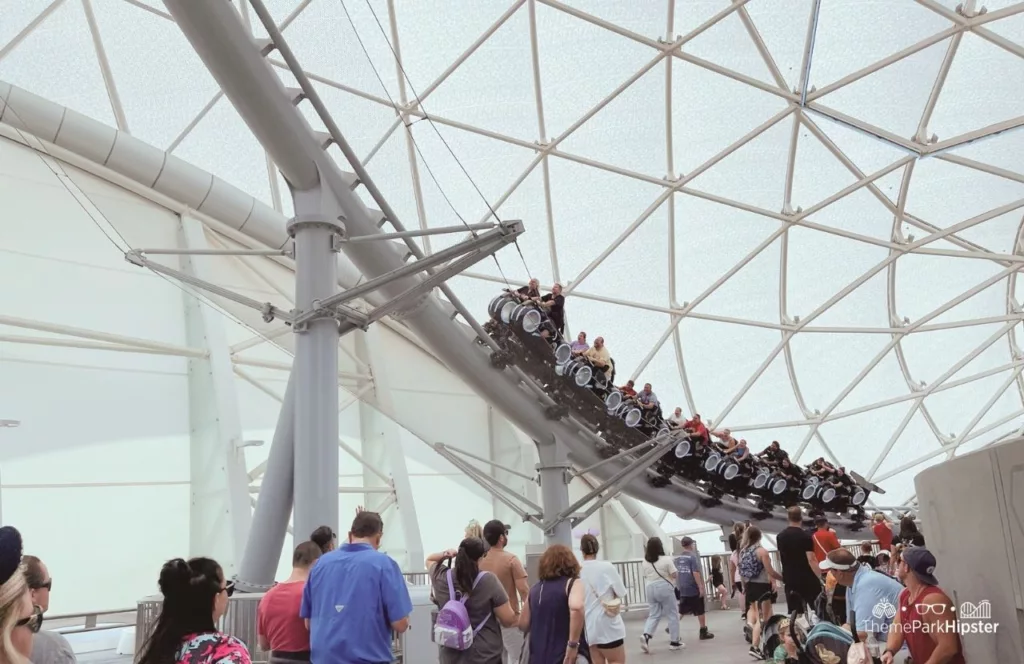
x: 316, y: 229
x: 554, y: 470
x: 274, y: 504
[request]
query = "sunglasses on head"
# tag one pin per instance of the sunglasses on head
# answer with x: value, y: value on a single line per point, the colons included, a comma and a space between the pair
x: 33, y: 622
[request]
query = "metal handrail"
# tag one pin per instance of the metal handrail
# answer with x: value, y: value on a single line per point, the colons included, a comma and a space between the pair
x: 91, y: 622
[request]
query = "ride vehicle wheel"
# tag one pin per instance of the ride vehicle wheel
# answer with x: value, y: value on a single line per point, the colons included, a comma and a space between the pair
x: 613, y: 400
x: 683, y: 449
x: 712, y: 461
x: 563, y: 353
x: 779, y: 486
x: 729, y: 470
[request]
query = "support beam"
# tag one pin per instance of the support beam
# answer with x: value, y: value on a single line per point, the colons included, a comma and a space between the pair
x: 314, y: 228
x: 219, y: 516
x: 382, y: 448
x: 554, y: 470
x: 274, y: 504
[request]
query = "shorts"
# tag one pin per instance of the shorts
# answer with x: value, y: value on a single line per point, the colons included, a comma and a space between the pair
x: 609, y: 646
x: 755, y: 591
x: 693, y: 606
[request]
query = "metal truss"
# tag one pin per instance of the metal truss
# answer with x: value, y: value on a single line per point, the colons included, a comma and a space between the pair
x: 578, y: 511
x: 808, y: 109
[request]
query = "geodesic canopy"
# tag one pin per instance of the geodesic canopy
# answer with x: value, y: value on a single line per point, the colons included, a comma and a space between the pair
x: 799, y: 218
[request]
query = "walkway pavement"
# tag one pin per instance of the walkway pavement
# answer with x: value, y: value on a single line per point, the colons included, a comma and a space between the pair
x: 728, y: 646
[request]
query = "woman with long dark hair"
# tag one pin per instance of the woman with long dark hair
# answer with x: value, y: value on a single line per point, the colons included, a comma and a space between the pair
x: 458, y: 573
x: 660, y: 575
x: 554, y: 615
x: 909, y: 534
x: 195, y: 598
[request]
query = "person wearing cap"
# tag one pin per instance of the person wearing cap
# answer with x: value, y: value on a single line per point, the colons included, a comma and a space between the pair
x: 869, y: 594
x: 690, y: 583
x: 927, y: 622
x: 512, y: 575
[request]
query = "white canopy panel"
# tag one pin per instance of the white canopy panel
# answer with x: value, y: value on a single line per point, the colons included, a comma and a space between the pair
x: 799, y: 218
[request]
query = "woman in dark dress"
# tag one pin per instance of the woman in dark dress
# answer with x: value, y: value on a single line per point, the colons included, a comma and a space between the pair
x: 553, y: 616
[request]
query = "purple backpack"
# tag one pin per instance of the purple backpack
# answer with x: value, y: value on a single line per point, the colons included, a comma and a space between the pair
x: 452, y: 628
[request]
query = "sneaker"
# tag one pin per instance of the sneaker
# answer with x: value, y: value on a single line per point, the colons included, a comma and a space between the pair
x: 705, y: 634
x: 676, y: 645
x: 748, y: 633
x: 755, y: 653
x: 645, y: 643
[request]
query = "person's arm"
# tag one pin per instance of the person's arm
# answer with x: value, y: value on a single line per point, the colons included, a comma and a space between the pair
x: 576, y: 618
x: 894, y: 637
x: 617, y: 585
x: 435, y: 558
x: 699, y: 578
x: 766, y: 560
x: 522, y: 585
x: 524, y: 615
x: 812, y: 562
x: 505, y: 615
x: 673, y: 574
x: 306, y: 605
x: 261, y: 627
x: 395, y: 594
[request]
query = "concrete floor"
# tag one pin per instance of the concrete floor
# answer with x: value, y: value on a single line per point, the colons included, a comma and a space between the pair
x: 728, y: 646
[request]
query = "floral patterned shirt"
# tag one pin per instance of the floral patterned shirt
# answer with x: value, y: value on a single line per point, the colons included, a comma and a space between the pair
x: 212, y: 648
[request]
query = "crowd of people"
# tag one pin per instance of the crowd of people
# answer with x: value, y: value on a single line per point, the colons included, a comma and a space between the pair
x: 344, y: 604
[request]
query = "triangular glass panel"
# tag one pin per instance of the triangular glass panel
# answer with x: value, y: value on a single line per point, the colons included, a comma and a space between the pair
x: 819, y: 265
x: 870, y: 99
x: 991, y: 434
x: 998, y: 235
x: 630, y: 131
x: 711, y: 112
x: 769, y: 399
x: 222, y: 144
x: 345, y: 61
x: 826, y: 363
x: 859, y: 439
x: 711, y: 238
x: 58, y: 62
x: 17, y: 17
x: 817, y: 173
x: 645, y: 19
x: 1002, y: 151
x: 865, y: 306
x: 162, y: 82
x: 945, y: 194
x: 526, y: 203
x: 850, y: 38
x: 575, y: 79
x: 782, y: 25
x: 930, y: 355
x: 476, y: 293
x: 982, y: 89
x: 811, y: 449
x: 900, y: 488
x: 859, y: 212
x: 716, y: 372
x: 926, y: 284
x: 953, y: 410
x: 752, y: 293
x: 392, y: 173
x: 994, y: 358
x: 591, y: 208
x: 866, y: 152
x: 1011, y: 27
x: 916, y: 442
x: 989, y: 302
x: 493, y: 89
x: 728, y: 44
x: 883, y: 382
x: 637, y: 271
x: 766, y: 156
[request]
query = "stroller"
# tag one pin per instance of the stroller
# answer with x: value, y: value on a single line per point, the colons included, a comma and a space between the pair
x: 824, y: 643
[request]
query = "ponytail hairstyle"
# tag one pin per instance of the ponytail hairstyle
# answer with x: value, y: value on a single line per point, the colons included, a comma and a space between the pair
x: 467, y: 564
x: 751, y: 537
x: 189, y: 589
x: 589, y: 545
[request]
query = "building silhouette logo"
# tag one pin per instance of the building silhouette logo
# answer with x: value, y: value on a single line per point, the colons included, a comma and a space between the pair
x: 980, y: 611
x: 884, y: 609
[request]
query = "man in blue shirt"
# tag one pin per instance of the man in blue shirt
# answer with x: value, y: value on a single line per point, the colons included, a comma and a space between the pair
x: 872, y: 595
x: 690, y: 583
x: 354, y: 598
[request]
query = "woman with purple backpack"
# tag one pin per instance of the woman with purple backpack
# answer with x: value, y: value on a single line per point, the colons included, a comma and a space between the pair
x: 473, y: 606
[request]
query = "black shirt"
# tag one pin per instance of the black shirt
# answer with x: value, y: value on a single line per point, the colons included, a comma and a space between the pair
x: 774, y: 455
x: 867, y: 560
x: 528, y: 292
x: 557, y: 310
x: 794, y: 544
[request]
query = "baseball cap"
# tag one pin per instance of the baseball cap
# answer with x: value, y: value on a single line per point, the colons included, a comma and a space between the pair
x: 493, y: 530
x: 687, y: 541
x: 922, y: 563
x: 838, y: 559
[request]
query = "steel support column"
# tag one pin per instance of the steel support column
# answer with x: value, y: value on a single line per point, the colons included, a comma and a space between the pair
x: 315, y: 228
x: 219, y: 513
x: 274, y: 504
x: 554, y: 470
